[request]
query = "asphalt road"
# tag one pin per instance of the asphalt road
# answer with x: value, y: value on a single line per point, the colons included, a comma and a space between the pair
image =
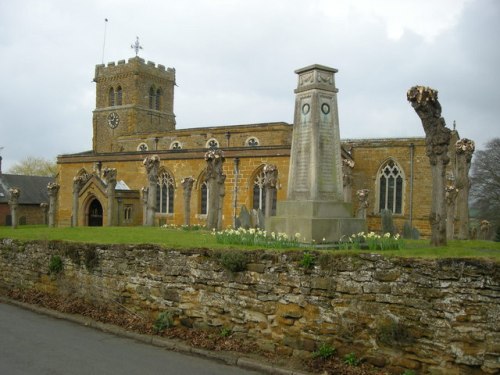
x: 31, y: 344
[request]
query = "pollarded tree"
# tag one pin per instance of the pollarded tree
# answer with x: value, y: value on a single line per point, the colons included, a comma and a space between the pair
x: 424, y: 101
x: 485, y: 189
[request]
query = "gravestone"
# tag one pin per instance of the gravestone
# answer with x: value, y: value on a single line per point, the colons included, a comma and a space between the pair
x: 315, y: 205
x: 244, y: 218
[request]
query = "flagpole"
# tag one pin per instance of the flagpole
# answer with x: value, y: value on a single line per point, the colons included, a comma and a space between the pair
x: 104, y: 43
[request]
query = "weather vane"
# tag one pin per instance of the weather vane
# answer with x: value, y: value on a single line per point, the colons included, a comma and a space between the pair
x: 136, y: 46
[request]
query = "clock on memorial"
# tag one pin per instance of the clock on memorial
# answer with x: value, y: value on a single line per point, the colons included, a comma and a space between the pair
x: 113, y: 120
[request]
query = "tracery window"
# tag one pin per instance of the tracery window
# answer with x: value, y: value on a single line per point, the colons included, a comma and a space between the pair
x: 165, y: 194
x: 259, y: 192
x: 390, y: 181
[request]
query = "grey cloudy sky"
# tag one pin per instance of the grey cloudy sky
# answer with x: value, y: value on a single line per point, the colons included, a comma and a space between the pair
x: 235, y: 63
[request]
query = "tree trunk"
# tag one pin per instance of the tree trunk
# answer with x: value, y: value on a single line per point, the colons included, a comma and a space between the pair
x: 465, y: 149
x: 424, y: 101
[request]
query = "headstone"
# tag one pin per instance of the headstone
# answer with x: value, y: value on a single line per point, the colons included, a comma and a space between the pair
x: 315, y: 205
x: 244, y: 218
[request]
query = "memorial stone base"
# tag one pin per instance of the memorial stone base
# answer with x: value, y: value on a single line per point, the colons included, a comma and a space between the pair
x: 318, y: 221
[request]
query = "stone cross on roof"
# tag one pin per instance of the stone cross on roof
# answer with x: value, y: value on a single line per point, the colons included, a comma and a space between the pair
x: 136, y: 46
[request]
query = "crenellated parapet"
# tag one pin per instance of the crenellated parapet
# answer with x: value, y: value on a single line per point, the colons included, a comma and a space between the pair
x: 134, y: 65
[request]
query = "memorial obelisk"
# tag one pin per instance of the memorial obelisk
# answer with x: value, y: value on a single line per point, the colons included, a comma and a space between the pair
x: 315, y: 205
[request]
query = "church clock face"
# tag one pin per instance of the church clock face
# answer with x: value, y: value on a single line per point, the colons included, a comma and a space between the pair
x: 113, y: 120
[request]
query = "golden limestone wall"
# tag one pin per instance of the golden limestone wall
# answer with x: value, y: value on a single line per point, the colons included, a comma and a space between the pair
x: 131, y: 170
x: 369, y: 156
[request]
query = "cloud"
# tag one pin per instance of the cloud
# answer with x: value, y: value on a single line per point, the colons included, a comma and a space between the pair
x: 235, y: 63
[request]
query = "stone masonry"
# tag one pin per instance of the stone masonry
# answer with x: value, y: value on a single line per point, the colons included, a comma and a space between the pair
x: 431, y: 316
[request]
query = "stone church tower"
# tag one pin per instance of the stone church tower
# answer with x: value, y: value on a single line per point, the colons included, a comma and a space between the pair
x: 133, y: 99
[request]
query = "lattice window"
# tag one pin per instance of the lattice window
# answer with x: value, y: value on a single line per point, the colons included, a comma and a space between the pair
x: 390, y: 180
x: 165, y: 194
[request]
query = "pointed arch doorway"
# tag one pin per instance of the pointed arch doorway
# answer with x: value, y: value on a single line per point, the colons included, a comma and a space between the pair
x: 95, y: 214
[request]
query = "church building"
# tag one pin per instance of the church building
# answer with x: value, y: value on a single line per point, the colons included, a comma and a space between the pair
x: 134, y: 119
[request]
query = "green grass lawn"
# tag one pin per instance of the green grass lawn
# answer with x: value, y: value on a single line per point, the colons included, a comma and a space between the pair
x: 177, y: 238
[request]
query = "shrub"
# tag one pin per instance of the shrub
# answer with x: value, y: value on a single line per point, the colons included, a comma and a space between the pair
x: 351, y: 360
x: 163, y: 322
x: 225, y: 332
x: 234, y: 261
x: 325, y: 351
x: 55, y: 264
x: 308, y: 260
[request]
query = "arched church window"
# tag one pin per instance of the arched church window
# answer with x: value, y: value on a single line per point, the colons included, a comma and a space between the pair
x: 111, y: 97
x: 204, y: 198
x: 212, y: 143
x: 158, y: 99
x: 152, y: 96
x: 142, y: 147
x: 390, y: 181
x: 119, y: 95
x: 259, y: 192
x: 165, y: 193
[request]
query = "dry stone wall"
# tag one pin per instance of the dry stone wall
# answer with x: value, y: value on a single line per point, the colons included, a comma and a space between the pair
x: 431, y: 316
